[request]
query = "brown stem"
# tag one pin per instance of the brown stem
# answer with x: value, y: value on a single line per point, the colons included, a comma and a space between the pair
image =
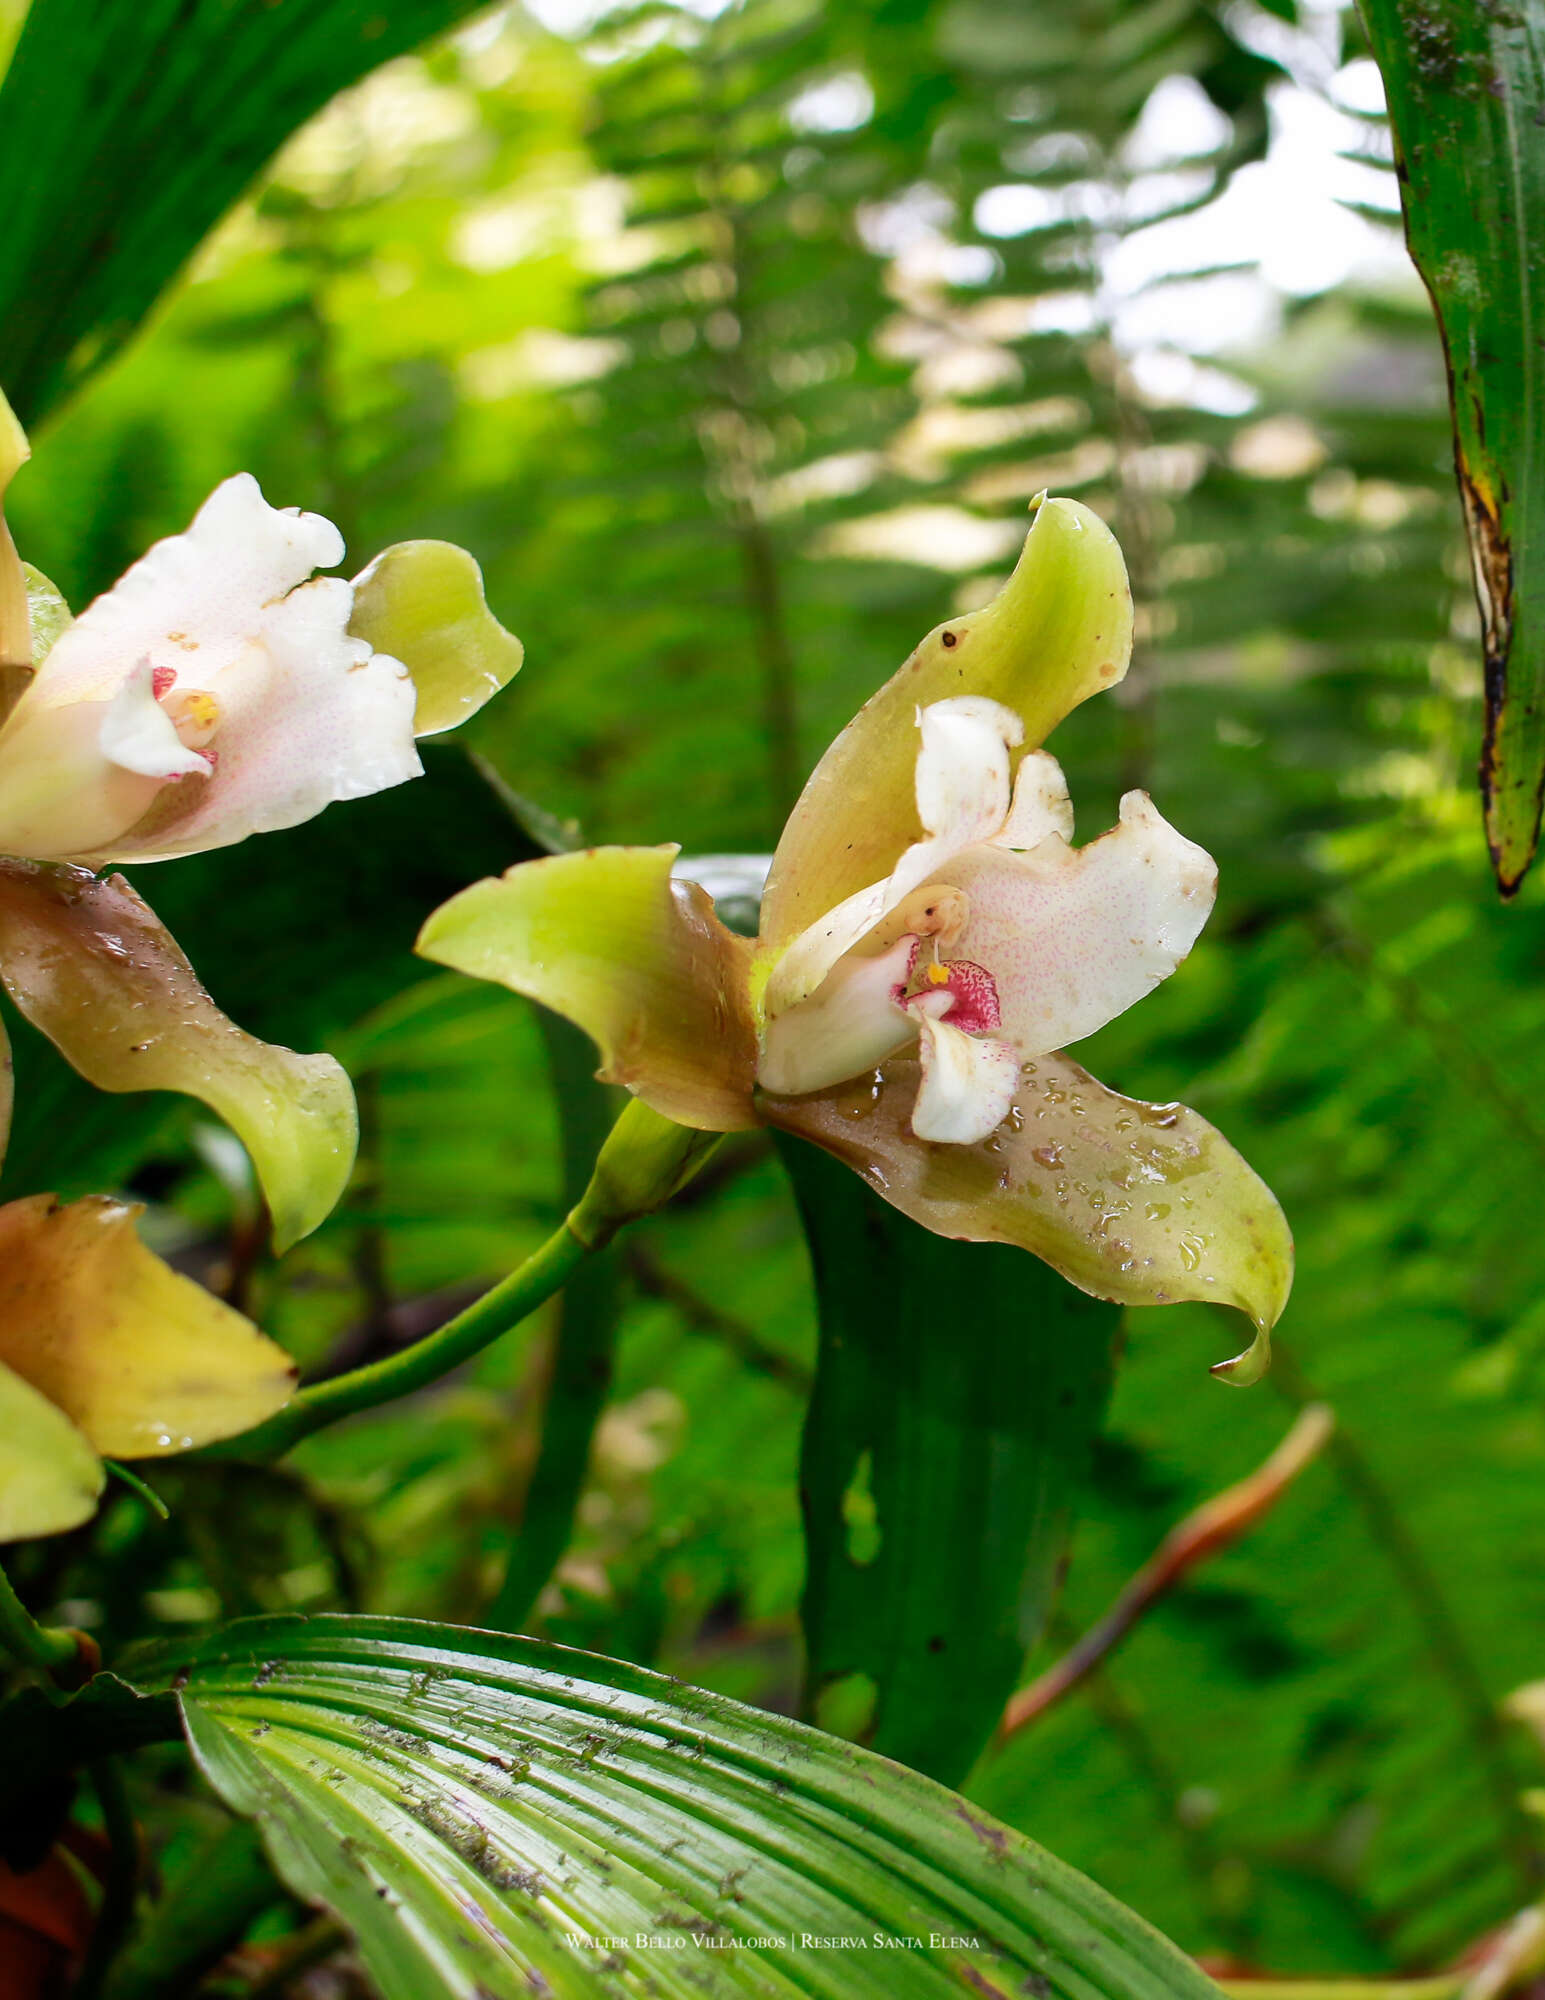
x: 1204, y: 1533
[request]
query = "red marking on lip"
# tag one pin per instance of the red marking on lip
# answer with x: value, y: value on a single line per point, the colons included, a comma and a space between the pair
x: 972, y: 989
x: 162, y: 681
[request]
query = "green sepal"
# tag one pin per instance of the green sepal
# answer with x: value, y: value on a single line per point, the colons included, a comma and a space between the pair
x: 423, y: 603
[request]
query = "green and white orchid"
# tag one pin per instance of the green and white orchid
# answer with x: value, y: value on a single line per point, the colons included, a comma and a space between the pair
x: 219, y: 689
x: 929, y: 942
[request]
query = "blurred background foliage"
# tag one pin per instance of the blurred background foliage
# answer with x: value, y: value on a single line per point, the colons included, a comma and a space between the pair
x: 735, y: 342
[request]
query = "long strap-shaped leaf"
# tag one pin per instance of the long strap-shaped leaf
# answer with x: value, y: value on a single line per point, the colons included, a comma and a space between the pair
x: 496, y: 1817
x: 1466, y: 89
x: 958, y: 1392
x: 128, y: 127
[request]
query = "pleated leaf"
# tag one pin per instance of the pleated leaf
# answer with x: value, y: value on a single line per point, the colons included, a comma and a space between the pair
x: 495, y: 1817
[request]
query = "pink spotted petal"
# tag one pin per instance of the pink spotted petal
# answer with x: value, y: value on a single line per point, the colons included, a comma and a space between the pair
x: 1073, y: 937
x: 970, y: 990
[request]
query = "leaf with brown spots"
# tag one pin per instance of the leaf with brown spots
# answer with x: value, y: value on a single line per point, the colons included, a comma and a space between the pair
x: 1466, y: 102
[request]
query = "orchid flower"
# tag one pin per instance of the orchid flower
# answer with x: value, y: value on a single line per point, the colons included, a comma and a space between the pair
x: 219, y: 689
x: 930, y: 939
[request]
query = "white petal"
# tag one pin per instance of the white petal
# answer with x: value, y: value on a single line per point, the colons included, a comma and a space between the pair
x: 137, y: 733
x: 968, y: 1084
x: 58, y: 792
x: 308, y: 715
x: 1041, y: 804
x: 194, y: 601
x: 962, y: 798
x: 849, y: 1026
x: 963, y: 766
x: 815, y: 951
x: 1073, y: 938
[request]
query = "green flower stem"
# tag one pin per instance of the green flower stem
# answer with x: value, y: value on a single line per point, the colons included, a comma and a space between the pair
x: 29, y: 1643
x: 644, y: 1161
x: 584, y: 1346
x: 513, y: 1299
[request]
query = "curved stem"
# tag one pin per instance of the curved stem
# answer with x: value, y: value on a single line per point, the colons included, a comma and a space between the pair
x: 584, y: 1346
x: 513, y: 1299
x: 29, y: 1643
x: 645, y: 1159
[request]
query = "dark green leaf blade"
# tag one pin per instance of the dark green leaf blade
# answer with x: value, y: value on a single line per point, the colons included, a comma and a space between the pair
x: 1466, y: 90
x: 128, y: 130
x: 471, y: 1804
x: 958, y: 1389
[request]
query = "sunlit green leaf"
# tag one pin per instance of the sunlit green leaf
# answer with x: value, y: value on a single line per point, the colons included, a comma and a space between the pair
x: 477, y: 1810
x: 127, y: 131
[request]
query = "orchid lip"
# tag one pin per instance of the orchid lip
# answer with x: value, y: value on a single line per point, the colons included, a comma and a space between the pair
x: 957, y: 990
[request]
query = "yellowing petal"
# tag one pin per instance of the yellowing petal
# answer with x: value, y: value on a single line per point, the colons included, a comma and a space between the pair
x: 91, y: 966
x: 1073, y: 937
x: 15, y: 616
x: 1141, y: 1203
x: 639, y: 961
x: 1058, y: 632
x: 141, y: 1359
x: 50, y: 1478
x: 61, y: 793
x: 423, y: 603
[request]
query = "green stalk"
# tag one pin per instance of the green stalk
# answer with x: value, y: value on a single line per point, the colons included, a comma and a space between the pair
x: 513, y: 1299
x: 29, y: 1643
x: 584, y: 1348
x: 644, y: 1161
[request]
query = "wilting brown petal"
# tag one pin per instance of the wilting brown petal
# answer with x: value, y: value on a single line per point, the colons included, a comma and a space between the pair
x: 1140, y: 1203
x: 93, y: 967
